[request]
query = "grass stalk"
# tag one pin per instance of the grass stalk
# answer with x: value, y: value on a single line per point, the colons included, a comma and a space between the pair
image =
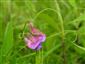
x: 62, y: 31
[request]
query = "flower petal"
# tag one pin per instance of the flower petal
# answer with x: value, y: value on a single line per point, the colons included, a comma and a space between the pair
x: 32, y: 44
x: 39, y: 47
x: 35, y: 39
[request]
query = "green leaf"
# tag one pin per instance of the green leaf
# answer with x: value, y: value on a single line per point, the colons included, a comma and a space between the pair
x: 7, y: 41
x: 8, y: 38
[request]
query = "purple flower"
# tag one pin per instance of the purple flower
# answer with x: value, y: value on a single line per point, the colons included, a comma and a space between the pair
x: 35, y: 39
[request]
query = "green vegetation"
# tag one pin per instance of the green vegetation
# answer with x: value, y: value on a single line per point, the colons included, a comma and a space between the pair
x: 63, y: 22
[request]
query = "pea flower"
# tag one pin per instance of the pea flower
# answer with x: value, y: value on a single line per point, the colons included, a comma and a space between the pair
x: 35, y: 39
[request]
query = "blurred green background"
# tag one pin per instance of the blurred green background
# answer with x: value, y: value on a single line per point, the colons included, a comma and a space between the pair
x: 63, y: 22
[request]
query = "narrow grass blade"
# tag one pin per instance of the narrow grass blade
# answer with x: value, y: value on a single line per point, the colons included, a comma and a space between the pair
x: 82, y: 48
x: 51, y: 50
x: 7, y: 41
x: 80, y: 18
x: 39, y: 57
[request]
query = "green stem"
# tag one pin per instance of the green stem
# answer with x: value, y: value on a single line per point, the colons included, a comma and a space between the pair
x: 62, y: 31
x: 39, y: 57
x: 42, y: 12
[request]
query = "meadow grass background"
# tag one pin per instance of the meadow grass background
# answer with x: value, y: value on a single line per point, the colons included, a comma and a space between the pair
x: 63, y: 22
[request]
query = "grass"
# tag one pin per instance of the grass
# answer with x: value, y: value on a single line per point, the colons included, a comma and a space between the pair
x: 63, y: 22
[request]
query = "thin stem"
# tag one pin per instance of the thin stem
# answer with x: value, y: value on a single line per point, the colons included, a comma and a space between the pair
x: 73, y: 42
x: 62, y: 31
x: 42, y: 12
x: 28, y: 55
